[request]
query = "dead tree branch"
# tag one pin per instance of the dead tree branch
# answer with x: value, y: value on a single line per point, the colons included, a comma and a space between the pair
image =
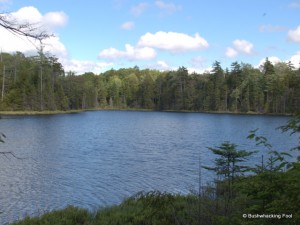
x: 24, y: 29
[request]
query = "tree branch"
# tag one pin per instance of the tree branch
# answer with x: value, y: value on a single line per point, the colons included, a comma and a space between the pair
x: 23, y: 29
x: 10, y: 153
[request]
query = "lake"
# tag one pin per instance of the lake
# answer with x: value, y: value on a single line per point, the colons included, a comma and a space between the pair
x: 96, y: 159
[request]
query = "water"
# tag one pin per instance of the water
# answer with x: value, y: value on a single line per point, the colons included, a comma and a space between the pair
x: 96, y: 159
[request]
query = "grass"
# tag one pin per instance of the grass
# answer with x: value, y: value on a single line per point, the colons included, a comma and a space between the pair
x: 143, y: 208
x: 156, y: 208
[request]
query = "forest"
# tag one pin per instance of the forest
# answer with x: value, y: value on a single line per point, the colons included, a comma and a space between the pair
x: 38, y: 83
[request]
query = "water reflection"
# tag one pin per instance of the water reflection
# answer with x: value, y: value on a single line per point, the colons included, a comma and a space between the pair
x: 96, y: 159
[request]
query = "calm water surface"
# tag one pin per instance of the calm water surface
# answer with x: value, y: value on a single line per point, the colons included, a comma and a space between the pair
x: 96, y: 159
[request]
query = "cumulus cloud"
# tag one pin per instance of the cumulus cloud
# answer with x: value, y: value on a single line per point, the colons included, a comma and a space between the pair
x: 295, y: 60
x: 173, y: 42
x: 243, y: 46
x: 138, y: 9
x: 294, y: 35
x: 127, y: 25
x: 28, y: 14
x: 167, y: 7
x: 49, y: 21
x: 239, y: 47
x: 53, y: 45
x: 231, y: 52
x: 12, y: 43
x: 162, y: 65
x: 82, y: 66
x: 273, y: 59
x: 55, y: 20
x: 130, y: 53
x: 199, y: 70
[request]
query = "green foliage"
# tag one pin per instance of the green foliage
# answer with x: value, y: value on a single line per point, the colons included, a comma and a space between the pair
x: 143, y: 208
x: 69, y: 216
x: 229, y: 159
x: 40, y: 83
x: 272, y: 188
x: 276, y: 161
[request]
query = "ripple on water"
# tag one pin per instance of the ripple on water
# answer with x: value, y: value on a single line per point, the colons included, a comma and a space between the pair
x: 97, y: 159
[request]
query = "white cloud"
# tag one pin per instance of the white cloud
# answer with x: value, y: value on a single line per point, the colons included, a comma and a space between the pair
x: 167, y: 7
x: 53, y: 45
x: 295, y: 60
x: 243, y: 46
x: 127, y: 25
x: 138, y: 9
x: 273, y: 59
x: 82, y: 66
x: 230, y: 52
x: 239, y: 47
x: 173, y: 42
x: 54, y: 20
x: 56, y: 47
x: 130, y: 53
x: 162, y: 65
x: 49, y: 21
x: 12, y: 43
x: 28, y: 14
x: 294, y: 35
x: 199, y: 70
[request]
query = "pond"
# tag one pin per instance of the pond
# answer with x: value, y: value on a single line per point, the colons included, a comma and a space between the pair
x: 96, y: 159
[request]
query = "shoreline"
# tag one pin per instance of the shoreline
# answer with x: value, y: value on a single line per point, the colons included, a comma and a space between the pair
x: 57, y: 112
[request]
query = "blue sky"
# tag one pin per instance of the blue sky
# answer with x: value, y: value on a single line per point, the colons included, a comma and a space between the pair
x: 99, y: 35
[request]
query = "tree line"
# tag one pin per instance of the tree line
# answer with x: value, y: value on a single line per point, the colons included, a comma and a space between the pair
x: 37, y: 83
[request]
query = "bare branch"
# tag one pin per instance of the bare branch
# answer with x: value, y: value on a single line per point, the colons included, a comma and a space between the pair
x: 24, y: 29
x: 5, y: 154
x: 10, y: 153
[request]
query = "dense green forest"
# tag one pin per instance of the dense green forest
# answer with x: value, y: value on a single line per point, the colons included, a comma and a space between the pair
x: 38, y: 83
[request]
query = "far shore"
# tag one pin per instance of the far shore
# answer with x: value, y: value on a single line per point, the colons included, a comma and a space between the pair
x: 54, y: 112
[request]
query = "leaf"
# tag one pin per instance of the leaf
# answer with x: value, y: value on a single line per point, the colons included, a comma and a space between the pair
x: 287, y: 154
x: 251, y: 136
